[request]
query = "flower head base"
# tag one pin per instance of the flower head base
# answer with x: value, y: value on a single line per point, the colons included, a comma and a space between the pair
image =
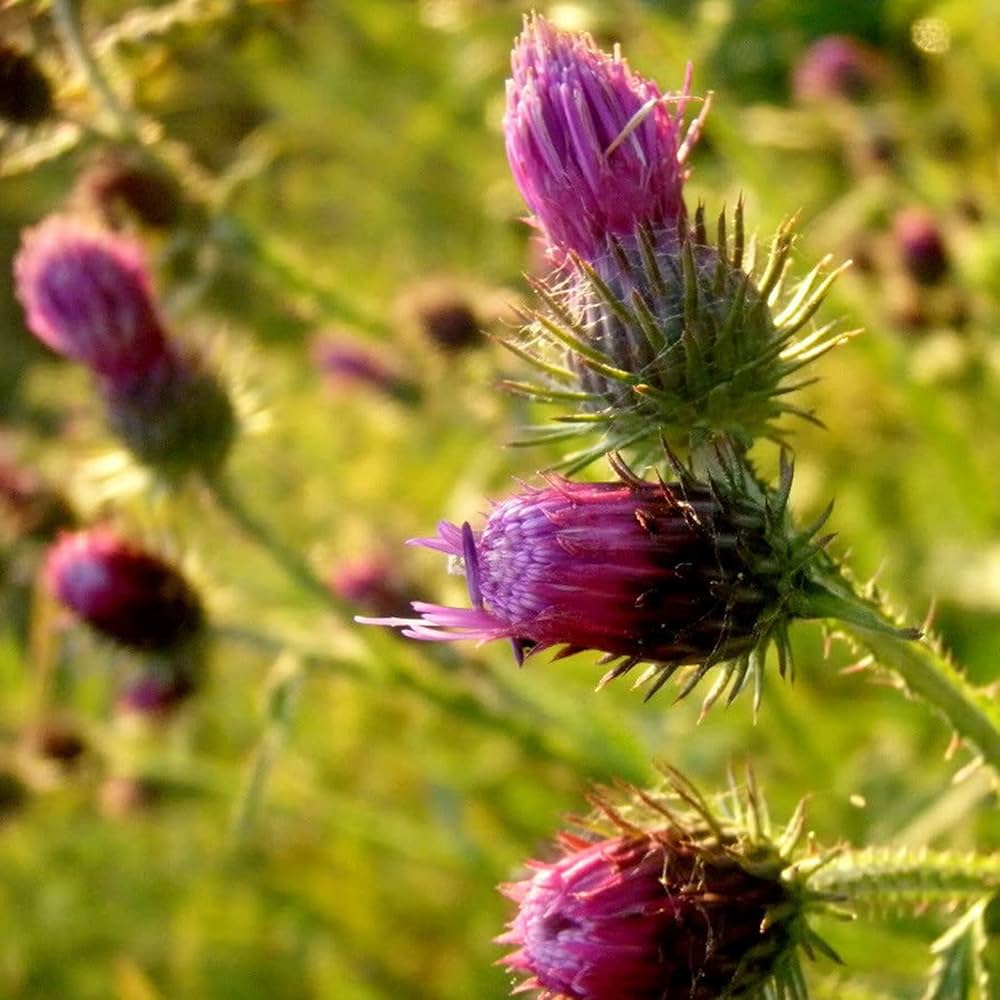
x: 87, y: 295
x: 670, y: 574
x: 672, y: 336
x: 592, y: 146
x: 671, y: 901
x: 180, y: 418
x: 125, y: 593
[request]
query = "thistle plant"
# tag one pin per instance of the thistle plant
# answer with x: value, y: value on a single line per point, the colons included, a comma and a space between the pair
x: 667, y: 344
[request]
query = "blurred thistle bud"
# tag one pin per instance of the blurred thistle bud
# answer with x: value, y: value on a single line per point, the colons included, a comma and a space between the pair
x: 129, y: 595
x: 593, y: 147
x: 348, y: 361
x: 155, y: 693
x: 57, y: 741
x: 123, y: 795
x: 835, y: 67
x: 87, y: 294
x: 663, y: 897
x: 669, y: 574
x: 672, y: 336
x: 443, y: 313
x: 373, y: 584
x: 124, y: 184
x: 25, y: 92
x: 31, y: 507
x: 921, y: 246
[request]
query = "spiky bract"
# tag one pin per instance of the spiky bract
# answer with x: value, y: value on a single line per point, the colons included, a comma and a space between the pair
x: 669, y: 334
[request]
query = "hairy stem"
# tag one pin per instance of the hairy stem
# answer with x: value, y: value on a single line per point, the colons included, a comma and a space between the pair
x: 883, y: 878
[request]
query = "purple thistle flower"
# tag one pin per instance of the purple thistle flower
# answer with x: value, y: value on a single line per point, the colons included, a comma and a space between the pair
x: 642, y: 917
x: 585, y: 163
x: 129, y: 595
x: 921, y: 246
x: 835, y: 67
x: 636, y: 570
x: 86, y: 294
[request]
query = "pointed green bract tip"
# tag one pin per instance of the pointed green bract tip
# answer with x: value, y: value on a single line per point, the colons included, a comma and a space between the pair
x: 668, y: 333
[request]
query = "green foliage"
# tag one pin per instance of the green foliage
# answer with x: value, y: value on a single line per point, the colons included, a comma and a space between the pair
x: 329, y: 815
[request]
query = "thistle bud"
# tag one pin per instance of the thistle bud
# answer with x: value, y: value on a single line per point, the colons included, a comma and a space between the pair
x: 593, y: 146
x: 155, y: 693
x: 124, y: 592
x: 86, y: 294
x: 122, y: 184
x: 347, y: 361
x: 670, y: 574
x: 671, y: 904
x: 921, y: 246
x: 372, y: 584
x: 835, y: 67
x: 25, y: 92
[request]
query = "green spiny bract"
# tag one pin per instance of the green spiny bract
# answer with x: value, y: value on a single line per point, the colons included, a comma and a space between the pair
x: 670, y: 334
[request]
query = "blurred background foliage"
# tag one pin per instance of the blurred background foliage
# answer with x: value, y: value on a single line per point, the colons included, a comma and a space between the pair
x: 329, y: 816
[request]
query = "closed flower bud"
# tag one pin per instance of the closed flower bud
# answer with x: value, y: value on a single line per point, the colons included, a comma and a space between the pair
x: 593, y: 147
x: 124, y: 184
x: 669, y: 574
x: 835, y: 67
x: 347, y: 361
x: 25, y: 92
x: 658, y: 901
x: 371, y: 584
x: 155, y: 693
x: 921, y: 246
x: 124, y: 592
x: 86, y: 294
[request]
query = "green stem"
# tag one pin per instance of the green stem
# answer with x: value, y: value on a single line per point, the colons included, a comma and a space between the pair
x: 881, y: 878
x: 66, y: 15
x: 258, y: 531
x: 924, y: 671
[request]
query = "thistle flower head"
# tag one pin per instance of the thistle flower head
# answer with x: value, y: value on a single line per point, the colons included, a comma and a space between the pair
x: 124, y: 592
x: 373, y: 584
x: 670, y: 574
x: 835, y: 67
x: 593, y: 146
x: 921, y: 246
x: 348, y: 361
x: 124, y: 184
x: 86, y: 294
x: 672, y: 335
x: 659, y: 898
